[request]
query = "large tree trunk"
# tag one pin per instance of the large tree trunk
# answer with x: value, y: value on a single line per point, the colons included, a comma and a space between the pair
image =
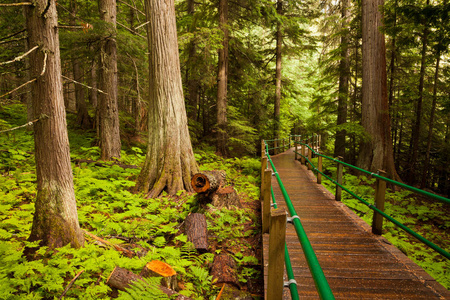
x: 277, y: 104
x: 170, y: 161
x: 107, y: 108
x: 344, y: 73
x: 376, y: 153
x: 192, y: 79
x: 222, y: 79
x: 431, y: 124
x: 55, y: 220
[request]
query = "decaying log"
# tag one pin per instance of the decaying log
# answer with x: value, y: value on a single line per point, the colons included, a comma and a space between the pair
x: 121, y: 278
x: 197, y: 231
x: 208, y: 181
x: 232, y: 293
x: 157, y: 268
x: 225, y: 197
x: 224, y: 270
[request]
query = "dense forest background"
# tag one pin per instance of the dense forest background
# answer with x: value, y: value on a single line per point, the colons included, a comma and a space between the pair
x: 305, y: 42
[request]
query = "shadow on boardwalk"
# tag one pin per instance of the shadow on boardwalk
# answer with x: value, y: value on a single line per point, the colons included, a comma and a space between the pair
x: 356, y: 263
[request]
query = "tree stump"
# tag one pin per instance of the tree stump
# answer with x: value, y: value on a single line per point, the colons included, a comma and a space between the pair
x: 121, y: 278
x: 208, y: 181
x: 224, y: 270
x: 197, y: 231
x: 157, y: 268
x: 225, y: 197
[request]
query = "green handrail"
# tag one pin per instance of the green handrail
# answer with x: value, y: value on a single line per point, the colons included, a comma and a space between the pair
x: 320, y: 281
x: 402, y: 226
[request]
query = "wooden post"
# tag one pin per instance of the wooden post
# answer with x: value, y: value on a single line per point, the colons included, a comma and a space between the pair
x: 263, y: 148
x: 339, y: 173
x: 277, y: 240
x: 319, y: 176
x: 320, y: 141
x: 303, y: 155
x: 275, y: 147
x: 296, y: 150
x: 263, y: 168
x: 310, y: 156
x: 266, y: 201
x: 380, y: 193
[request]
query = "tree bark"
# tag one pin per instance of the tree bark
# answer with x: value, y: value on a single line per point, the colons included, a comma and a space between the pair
x: 192, y: 79
x: 415, y: 133
x: 344, y: 73
x: 55, y: 221
x: 197, y: 231
x: 170, y: 161
x: 121, y: 278
x: 279, y: 44
x: 224, y: 270
x: 375, y: 154
x: 208, y: 181
x: 222, y: 79
x: 108, y: 110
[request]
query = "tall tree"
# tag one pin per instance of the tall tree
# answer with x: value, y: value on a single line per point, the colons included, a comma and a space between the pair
x: 107, y: 109
x: 376, y: 153
x: 279, y: 43
x: 222, y: 81
x: 170, y: 161
x: 55, y: 221
x: 344, y: 74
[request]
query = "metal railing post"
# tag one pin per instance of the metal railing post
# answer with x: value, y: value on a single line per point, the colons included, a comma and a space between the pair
x: 380, y: 193
x: 277, y: 240
x: 266, y: 200
x: 339, y: 173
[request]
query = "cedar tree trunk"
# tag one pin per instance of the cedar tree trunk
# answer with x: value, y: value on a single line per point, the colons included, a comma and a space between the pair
x: 375, y: 154
x: 344, y: 73
x: 55, y: 220
x: 107, y: 108
x: 170, y: 161
x: 222, y: 78
x: 279, y: 42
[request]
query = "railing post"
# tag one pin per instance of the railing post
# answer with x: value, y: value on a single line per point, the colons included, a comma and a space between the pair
x: 296, y: 149
x: 275, y: 147
x: 320, y: 142
x: 277, y: 240
x: 303, y: 155
x: 263, y: 168
x: 319, y: 175
x: 263, y: 148
x: 310, y: 157
x: 266, y: 201
x: 339, y: 173
x: 380, y: 193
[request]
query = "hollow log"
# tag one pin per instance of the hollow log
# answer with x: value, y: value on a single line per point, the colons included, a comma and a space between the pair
x: 157, y: 268
x: 223, y: 270
x: 197, y: 231
x: 208, y: 181
x: 225, y: 197
x: 121, y: 278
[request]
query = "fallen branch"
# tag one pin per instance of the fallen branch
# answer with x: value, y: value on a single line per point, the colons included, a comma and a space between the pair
x: 19, y: 58
x: 124, y: 251
x: 17, y: 4
x: 95, y: 89
x: 141, y: 25
x: 99, y: 164
x: 131, y: 30
x: 21, y: 126
x: 19, y: 87
x: 70, y: 284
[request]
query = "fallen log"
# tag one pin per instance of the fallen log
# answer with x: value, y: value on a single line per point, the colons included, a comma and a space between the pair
x: 121, y: 278
x: 223, y: 270
x: 208, y: 181
x: 197, y: 232
x: 105, y: 243
x: 157, y: 268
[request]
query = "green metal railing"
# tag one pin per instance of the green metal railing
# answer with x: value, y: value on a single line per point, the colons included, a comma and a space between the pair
x: 320, y: 281
x: 371, y: 206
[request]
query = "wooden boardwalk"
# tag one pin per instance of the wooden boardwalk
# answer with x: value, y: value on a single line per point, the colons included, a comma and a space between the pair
x: 356, y: 263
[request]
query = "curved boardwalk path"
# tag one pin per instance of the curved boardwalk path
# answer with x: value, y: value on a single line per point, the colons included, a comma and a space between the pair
x: 356, y: 263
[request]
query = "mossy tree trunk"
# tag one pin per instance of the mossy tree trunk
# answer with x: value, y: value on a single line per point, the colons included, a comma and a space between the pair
x: 107, y: 109
x: 170, y: 161
x: 55, y: 220
x: 277, y: 103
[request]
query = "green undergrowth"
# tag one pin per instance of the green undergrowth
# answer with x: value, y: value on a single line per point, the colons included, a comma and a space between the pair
x: 107, y: 208
x: 429, y: 218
